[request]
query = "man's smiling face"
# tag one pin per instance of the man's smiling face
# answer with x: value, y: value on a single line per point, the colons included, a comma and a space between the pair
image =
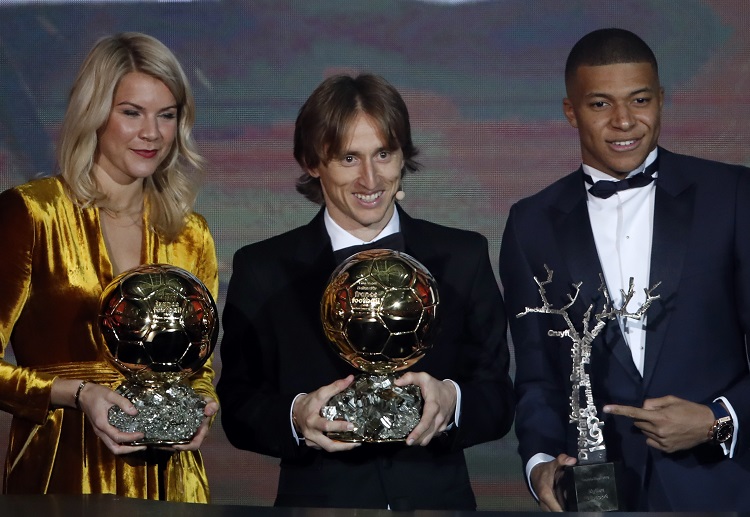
x: 617, y: 111
x: 360, y: 185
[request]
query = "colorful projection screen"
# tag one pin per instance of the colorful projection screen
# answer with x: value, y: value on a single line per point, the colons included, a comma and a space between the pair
x: 483, y: 81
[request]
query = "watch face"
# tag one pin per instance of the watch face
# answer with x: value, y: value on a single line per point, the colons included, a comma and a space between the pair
x: 723, y: 431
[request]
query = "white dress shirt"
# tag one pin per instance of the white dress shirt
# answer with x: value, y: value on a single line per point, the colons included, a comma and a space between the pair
x: 623, y: 227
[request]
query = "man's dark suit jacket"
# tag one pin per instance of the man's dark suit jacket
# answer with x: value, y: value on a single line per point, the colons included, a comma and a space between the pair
x: 695, y: 344
x: 274, y: 348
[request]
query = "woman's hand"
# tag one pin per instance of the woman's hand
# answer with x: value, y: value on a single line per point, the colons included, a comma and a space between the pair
x: 212, y: 407
x: 95, y: 400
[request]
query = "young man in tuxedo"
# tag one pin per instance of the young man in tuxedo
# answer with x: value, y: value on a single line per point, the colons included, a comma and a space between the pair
x: 353, y: 142
x: 673, y: 389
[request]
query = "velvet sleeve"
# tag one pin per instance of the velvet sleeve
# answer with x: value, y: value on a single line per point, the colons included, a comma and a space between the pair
x: 206, y: 269
x: 23, y: 393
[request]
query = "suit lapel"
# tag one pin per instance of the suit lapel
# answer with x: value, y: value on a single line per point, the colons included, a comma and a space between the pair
x: 575, y: 238
x: 673, y: 211
x: 576, y: 242
x: 414, y: 245
x: 313, y: 250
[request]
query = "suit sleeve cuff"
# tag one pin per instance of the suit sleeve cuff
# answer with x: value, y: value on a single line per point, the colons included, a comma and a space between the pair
x: 535, y: 460
x: 457, y: 413
x: 729, y: 448
x: 297, y: 438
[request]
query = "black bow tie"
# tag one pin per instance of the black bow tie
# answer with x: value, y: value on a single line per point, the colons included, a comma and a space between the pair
x: 394, y: 241
x: 605, y: 188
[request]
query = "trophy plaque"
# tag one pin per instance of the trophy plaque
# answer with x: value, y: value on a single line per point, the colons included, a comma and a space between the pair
x: 160, y: 325
x: 590, y: 485
x: 379, y: 310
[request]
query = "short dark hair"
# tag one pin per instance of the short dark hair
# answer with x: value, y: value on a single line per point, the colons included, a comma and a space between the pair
x: 608, y: 47
x: 326, y: 117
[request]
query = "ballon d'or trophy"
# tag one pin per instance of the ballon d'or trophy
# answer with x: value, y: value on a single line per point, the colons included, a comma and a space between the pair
x: 379, y: 311
x: 160, y: 326
x: 590, y: 485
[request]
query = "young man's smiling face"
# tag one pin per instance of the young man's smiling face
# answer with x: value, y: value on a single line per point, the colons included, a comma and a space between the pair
x: 617, y: 111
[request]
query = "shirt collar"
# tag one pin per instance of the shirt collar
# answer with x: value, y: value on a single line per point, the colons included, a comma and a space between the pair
x: 597, y: 175
x: 340, y: 238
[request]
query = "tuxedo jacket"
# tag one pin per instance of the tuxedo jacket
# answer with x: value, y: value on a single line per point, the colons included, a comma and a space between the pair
x: 696, y: 331
x: 274, y: 348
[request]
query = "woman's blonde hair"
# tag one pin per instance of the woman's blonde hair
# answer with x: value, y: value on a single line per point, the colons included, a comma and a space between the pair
x: 172, y: 189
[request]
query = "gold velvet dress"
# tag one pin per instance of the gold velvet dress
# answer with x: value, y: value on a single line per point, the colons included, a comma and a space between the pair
x: 53, y: 268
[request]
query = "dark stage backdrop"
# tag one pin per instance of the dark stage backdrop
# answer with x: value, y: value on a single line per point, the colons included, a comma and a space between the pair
x: 483, y: 82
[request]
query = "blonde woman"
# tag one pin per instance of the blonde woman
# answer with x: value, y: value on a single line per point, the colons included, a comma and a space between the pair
x: 128, y: 178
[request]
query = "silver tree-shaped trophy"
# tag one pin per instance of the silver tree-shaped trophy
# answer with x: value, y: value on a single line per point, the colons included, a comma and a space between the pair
x: 590, y: 485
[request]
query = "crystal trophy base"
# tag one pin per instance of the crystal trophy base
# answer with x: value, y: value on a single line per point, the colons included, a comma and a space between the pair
x: 379, y: 410
x: 590, y: 488
x: 168, y: 414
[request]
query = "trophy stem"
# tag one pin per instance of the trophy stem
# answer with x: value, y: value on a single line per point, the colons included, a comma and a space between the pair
x: 379, y: 410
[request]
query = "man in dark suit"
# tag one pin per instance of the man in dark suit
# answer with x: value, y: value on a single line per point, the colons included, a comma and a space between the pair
x: 353, y: 142
x: 674, y: 389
